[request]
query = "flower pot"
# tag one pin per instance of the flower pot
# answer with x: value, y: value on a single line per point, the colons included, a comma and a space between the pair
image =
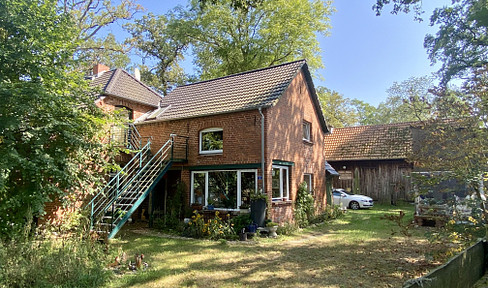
x: 258, y: 211
x: 272, y: 231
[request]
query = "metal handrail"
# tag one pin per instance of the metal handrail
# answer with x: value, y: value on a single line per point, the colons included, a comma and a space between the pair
x: 146, y: 175
x: 100, y: 203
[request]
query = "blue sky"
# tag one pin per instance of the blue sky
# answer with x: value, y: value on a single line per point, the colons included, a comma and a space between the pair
x: 364, y: 54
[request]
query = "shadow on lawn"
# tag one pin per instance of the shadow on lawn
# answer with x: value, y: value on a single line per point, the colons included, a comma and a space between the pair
x: 318, y: 261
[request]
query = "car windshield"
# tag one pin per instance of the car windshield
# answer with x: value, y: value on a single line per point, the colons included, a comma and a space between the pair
x: 343, y: 191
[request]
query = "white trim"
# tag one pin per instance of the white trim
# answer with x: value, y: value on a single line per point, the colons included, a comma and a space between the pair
x: 310, y: 178
x: 239, y: 188
x: 307, y: 131
x: 200, y: 144
x: 283, y: 194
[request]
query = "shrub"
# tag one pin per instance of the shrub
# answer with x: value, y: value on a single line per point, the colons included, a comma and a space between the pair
x: 213, y: 229
x: 53, y: 263
x: 304, y: 206
x: 241, y: 221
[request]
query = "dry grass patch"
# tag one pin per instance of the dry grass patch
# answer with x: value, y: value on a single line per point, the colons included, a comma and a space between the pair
x: 358, y: 250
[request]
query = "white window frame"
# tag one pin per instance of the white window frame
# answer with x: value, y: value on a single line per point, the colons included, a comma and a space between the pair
x: 307, y: 131
x: 239, y: 194
x: 200, y: 143
x: 283, y: 194
x: 310, y: 180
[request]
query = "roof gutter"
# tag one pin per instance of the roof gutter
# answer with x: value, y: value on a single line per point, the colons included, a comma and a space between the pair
x: 262, y: 151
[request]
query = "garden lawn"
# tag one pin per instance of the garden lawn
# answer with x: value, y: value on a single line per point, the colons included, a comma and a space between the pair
x: 357, y: 250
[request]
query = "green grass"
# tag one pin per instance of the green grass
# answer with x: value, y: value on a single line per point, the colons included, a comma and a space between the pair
x: 357, y: 250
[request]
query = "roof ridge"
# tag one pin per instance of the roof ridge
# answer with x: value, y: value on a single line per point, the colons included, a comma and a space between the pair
x: 379, y: 125
x: 113, y: 78
x: 244, y: 72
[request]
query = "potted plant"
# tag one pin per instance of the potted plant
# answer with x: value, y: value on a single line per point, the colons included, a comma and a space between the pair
x: 258, y: 208
x: 272, y: 228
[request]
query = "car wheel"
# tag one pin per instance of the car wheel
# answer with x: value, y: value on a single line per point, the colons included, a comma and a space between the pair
x: 354, y: 205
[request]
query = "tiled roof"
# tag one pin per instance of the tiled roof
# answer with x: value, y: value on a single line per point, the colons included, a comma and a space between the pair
x: 121, y: 84
x: 238, y: 92
x: 375, y: 142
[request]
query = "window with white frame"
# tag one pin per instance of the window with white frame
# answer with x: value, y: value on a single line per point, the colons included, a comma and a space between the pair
x: 307, y: 131
x: 224, y: 189
x: 280, y: 182
x: 211, y: 141
x: 308, y: 179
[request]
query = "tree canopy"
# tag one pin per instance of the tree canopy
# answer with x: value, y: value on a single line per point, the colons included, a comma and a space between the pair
x: 50, y: 129
x: 225, y: 40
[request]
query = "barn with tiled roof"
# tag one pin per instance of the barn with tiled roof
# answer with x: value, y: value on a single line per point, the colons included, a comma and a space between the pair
x: 372, y: 160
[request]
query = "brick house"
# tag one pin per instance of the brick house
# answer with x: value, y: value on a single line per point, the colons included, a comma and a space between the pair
x: 372, y: 160
x: 239, y: 126
x: 122, y: 90
x: 223, y: 139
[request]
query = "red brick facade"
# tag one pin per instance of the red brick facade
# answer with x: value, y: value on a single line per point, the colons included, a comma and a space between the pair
x: 108, y: 103
x: 242, y: 143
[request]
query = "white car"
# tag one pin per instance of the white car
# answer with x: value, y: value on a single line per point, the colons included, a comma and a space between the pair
x: 352, y: 201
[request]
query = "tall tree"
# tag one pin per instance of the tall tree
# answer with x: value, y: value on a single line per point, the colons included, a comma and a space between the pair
x: 226, y: 40
x: 337, y: 109
x: 409, y: 100
x: 90, y: 17
x: 50, y: 128
x: 366, y: 113
x: 162, y: 41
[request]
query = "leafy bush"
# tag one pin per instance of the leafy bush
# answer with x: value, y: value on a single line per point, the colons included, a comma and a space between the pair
x: 241, y: 221
x: 330, y: 212
x: 53, y: 263
x: 213, y: 229
x: 304, y: 206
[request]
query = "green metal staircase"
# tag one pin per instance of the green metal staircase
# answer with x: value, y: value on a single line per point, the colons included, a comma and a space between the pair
x: 111, y: 208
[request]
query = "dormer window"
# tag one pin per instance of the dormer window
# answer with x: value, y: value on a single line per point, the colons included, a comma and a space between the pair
x: 211, y: 141
x: 307, y: 131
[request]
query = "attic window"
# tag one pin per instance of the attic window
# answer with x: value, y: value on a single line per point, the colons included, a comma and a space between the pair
x: 307, y: 131
x: 211, y: 141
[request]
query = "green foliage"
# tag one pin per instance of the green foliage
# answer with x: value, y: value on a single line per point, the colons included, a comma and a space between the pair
x: 51, y: 131
x: 241, y: 221
x: 228, y: 41
x: 461, y: 43
x: 212, y: 229
x: 228, y: 37
x: 366, y: 113
x: 329, y: 213
x: 410, y: 100
x: 162, y: 39
x: 304, y: 206
x: 53, y: 263
x: 338, y: 111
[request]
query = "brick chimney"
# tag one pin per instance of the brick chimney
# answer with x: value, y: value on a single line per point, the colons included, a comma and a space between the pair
x: 99, y: 68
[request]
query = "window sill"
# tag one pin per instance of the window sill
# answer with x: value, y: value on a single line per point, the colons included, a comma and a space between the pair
x: 211, y: 153
x: 281, y: 202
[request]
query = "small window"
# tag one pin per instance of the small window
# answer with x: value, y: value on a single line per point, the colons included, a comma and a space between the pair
x: 308, y: 179
x: 280, y: 183
x: 307, y: 131
x: 211, y: 141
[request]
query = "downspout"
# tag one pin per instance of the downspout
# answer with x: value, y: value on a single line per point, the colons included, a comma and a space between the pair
x: 262, y: 150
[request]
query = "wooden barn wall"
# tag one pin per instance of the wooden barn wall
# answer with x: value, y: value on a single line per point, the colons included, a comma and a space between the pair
x: 384, y: 181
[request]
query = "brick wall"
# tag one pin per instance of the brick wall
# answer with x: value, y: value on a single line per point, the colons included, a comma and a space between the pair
x: 284, y: 141
x: 108, y: 103
x: 241, y: 133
